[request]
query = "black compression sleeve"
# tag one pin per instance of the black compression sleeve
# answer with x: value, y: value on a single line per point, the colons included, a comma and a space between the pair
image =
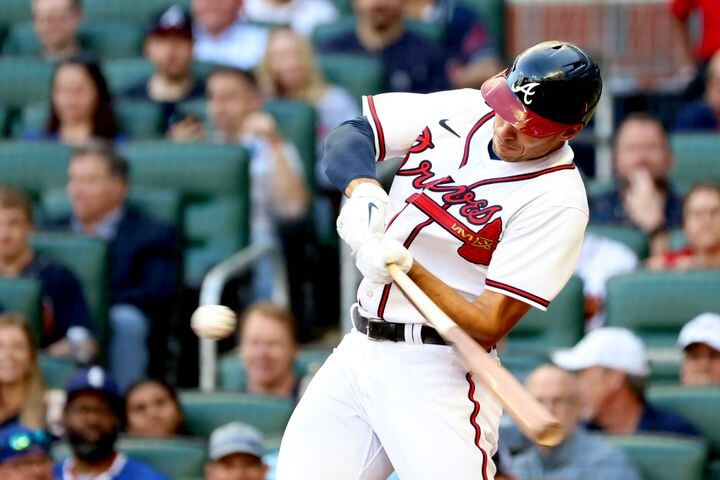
x: 350, y: 152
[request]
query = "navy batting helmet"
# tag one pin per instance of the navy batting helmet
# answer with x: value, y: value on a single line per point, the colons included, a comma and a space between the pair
x: 550, y: 88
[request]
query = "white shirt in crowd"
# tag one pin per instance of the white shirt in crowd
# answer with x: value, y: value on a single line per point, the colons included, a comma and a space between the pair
x: 302, y: 15
x: 242, y: 45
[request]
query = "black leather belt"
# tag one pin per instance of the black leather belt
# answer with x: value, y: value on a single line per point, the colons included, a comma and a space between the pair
x: 394, y: 332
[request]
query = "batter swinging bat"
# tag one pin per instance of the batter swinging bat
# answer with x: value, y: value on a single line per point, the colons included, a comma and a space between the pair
x: 535, y: 421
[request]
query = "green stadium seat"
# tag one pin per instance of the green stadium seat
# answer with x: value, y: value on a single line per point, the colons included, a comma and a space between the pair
x: 663, y: 457
x: 213, y: 183
x: 204, y: 412
x: 561, y: 326
x: 493, y: 16
x: 655, y: 305
x: 56, y: 371
x: 138, y: 11
x: 296, y: 121
x: 24, y: 80
x: 714, y: 470
x: 432, y: 31
x: 86, y: 257
x: 4, y: 120
x: 633, y: 238
x: 232, y: 374
x: 697, y: 157
x: 22, y: 295
x: 175, y: 457
x: 104, y: 38
x: 14, y: 11
x: 123, y: 73
x: 358, y: 74
x: 138, y: 119
x: 699, y: 405
x: 33, y: 166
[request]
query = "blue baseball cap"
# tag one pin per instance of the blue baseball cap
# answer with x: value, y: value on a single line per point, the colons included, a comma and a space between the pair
x: 94, y: 379
x: 17, y: 441
x: 235, y: 437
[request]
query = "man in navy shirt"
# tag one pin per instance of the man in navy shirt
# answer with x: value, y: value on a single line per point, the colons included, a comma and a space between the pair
x: 63, y: 301
x: 703, y: 114
x: 412, y: 63
x: 611, y: 368
x: 92, y: 424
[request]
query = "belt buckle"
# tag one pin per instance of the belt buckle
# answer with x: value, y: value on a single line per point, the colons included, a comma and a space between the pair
x: 374, y: 330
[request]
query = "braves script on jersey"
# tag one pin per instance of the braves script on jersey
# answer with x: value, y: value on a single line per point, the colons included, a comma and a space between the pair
x: 473, y: 220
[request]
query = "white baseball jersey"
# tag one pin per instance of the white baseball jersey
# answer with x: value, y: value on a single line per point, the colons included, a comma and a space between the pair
x: 471, y: 219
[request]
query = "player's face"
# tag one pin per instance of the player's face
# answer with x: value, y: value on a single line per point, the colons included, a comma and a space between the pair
x: 701, y: 365
x: 285, y: 60
x: 15, y: 355
x: 593, y: 389
x: 151, y: 412
x: 74, y: 96
x: 514, y: 146
x: 701, y: 220
x: 641, y: 145
x: 171, y: 54
x: 36, y: 466
x: 267, y: 350
x: 93, y: 191
x: 238, y: 466
x: 15, y: 231
x: 56, y: 22
x: 230, y: 100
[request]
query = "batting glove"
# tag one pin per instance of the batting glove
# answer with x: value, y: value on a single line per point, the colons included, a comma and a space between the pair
x: 363, y: 215
x: 376, y: 253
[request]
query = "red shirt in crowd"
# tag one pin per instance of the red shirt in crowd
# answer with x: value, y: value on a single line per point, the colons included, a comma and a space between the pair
x: 710, y: 40
x: 677, y: 258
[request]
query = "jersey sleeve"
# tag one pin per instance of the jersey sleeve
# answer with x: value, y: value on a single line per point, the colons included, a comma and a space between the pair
x: 537, y: 254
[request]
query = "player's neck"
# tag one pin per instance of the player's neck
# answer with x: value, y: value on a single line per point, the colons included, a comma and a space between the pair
x: 283, y: 387
x: 621, y: 413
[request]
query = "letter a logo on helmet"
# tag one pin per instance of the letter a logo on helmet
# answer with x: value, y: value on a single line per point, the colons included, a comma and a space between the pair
x: 527, y: 89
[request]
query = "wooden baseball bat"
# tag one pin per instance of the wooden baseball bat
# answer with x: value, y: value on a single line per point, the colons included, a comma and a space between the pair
x: 535, y: 421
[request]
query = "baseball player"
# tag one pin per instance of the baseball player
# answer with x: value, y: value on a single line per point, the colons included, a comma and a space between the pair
x: 486, y: 214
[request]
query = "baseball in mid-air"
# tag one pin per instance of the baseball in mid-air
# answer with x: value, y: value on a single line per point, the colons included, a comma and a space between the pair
x: 213, y: 322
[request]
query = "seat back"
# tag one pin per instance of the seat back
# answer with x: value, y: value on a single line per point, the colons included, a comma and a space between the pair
x: 204, y: 412
x: 660, y: 457
x: 34, y: 166
x: 233, y: 376
x: 56, y: 371
x: 657, y: 305
x: 87, y: 258
x: 14, y: 11
x: 560, y: 326
x: 358, y: 74
x: 634, y: 239
x: 22, y: 295
x: 137, y: 11
x: 699, y: 405
x: 24, y: 80
x: 696, y: 157
x: 492, y: 13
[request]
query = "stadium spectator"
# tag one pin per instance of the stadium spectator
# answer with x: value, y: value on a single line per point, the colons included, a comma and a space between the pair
x: 412, y: 62
x: 700, y: 341
x: 300, y: 15
x: 600, y: 259
x: 63, y: 302
x: 56, y: 25
x: 611, y: 369
x: 152, y: 409
x: 143, y: 256
x: 81, y: 106
x: 224, y: 37
x: 24, y: 454
x: 235, y: 452
x: 92, y: 419
x: 289, y: 71
x: 169, y: 47
x: 580, y: 455
x: 279, y: 195
x: 467, y: 44
x: 701, y: 225
x: 21, y: 382
x: 703, y: 114
x: 643, y: 196
x: 268, y: 347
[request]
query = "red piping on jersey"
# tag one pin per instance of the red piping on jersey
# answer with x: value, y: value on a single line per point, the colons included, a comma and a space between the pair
x: 473, y: 422
x: 378, y: 129
x: 478, y: 124
x: 517, y: 291
x: 524, y: 176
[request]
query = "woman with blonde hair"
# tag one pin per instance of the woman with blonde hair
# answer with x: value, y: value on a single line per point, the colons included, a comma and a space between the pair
x: 21, y: 383
x: 289, y: 71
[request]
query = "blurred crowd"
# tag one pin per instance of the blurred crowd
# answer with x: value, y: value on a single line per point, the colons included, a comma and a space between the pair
x: 90, y: 365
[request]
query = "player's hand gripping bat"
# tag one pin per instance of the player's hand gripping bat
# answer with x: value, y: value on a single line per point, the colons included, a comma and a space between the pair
x: 535, y: 421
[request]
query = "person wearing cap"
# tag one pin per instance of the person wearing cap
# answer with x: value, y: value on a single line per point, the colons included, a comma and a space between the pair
x: 700, y: 341
x: 169, y: 47
x: 611, y: 368
x: 580, y: 455
x: 92, y: 418
x: 24, y: 454
x: 235, y: 452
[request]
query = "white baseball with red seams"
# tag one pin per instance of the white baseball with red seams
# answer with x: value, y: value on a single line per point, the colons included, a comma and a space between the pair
x: 475, y: 222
